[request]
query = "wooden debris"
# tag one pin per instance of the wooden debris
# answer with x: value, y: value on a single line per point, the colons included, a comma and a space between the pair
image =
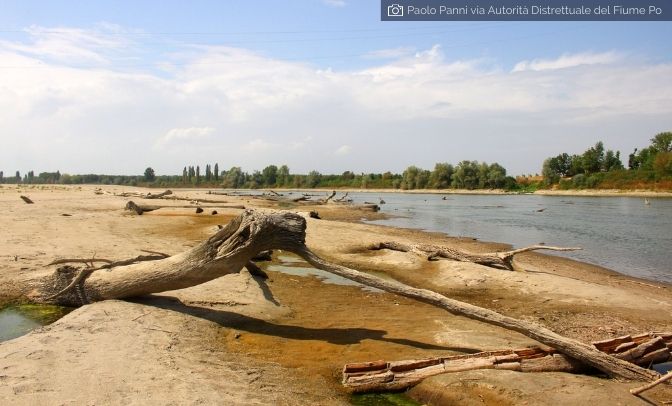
x: 665, y: 378
x: 499, y: 260
x: 139, y: 209
x: 643, y: 349
x: 26, y: 199
x: 314, y: 214
x: 387, y: 376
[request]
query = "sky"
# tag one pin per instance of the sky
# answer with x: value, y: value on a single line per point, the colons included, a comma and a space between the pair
x: 116, y: 86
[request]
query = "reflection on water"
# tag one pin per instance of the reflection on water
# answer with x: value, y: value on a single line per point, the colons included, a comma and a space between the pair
x: 298, y: 267
x: 620, y: 233
x: 18, y: 320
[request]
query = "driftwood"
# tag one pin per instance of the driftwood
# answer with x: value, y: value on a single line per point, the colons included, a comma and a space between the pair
x: 643, y: 349
x: 637, y: 391
x: 397, y: 375
x: 232, y: 247
x: 342, y: 198
x: 499, y: 260
x: 331, y: 196
x: 26, y: 199
x: 144, y: 208
x: 379, y: 376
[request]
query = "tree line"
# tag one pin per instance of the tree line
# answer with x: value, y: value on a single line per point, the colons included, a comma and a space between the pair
x: 598, y: 167
x: 464, y: 175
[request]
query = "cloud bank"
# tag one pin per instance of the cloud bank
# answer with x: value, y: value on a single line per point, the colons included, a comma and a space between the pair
x: 68, y: 103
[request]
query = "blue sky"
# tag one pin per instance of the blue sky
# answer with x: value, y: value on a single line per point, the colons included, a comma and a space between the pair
x: 316, y: 85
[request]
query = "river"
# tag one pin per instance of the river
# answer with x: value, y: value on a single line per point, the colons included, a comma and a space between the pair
x: 619, y: 233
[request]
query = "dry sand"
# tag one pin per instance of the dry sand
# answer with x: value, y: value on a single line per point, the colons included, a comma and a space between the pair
x: 234, y: 341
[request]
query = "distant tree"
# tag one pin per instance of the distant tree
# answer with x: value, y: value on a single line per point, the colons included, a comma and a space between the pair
x: 2, y: 176
x: 185, y: 176
x: 234, y: 178
x: 496, y: 176
x: 216, y: 172
x: 662, y: 142
x: 313, y: 179
x: 269, y: 175
x: 18, y: 177
x: 198, y: 174
x: 282, y: 178
x: 549, y: 171
x: 593, y: 158
x: 612, y: 161
x: 662, y: 165
x: 208, y: 173
x: 149, y: 175
x: 466, y: 175
x: 440, y: 176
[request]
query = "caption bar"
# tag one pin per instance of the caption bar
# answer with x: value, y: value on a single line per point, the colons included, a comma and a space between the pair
x: 526, y: 10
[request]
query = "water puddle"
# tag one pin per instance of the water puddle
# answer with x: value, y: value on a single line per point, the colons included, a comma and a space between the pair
x: 17, y: 320
x: 382, y: 399
x: 663, y: 368
x: 296, y: 266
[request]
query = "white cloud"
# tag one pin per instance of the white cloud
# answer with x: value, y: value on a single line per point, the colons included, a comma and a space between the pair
x: 268, y: 111
x: 390, y: 53
x: 186, y: 134
x: 568, y: 61
x: 343, y: 150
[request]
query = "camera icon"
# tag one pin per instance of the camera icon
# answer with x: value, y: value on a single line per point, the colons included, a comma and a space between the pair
x: 395, y: 10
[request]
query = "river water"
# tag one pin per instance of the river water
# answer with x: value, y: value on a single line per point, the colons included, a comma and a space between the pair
x: 620, y: 233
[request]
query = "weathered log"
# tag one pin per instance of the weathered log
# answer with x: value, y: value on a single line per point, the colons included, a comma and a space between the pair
x: 158, y: 195
x: 231, y: 248
x: 331, y: 196
x: 342, y: 198
x: 637, y: 391
x: 26, y: 199
x: 386, y: 376
x: 144, y: 208
x: 499, y: 260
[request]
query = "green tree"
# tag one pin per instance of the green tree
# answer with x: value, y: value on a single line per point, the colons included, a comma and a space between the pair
x: 216, y: 171
x: 149, y: 175
x: 440, y: 176
x: 549, y: 171
x: 313, y: 179
x: 662, y: 142
x: 612, y: 161
x: 282, y: 178
x: 496, y: 176
x: 198, y: 174
x: 593, y: 158
x: 269, y: 175
x: 466, y: 175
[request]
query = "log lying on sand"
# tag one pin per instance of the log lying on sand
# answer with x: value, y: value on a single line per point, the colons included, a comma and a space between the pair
x: 499, y: 260
x: 380, y: 376
x: 232, y: 247
x: 642, y: 349
x: 144, y: 208
x: 147, y: 195
x: 26, y: 199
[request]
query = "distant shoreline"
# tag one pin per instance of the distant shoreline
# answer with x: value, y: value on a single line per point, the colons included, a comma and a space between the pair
x: 574, y: 192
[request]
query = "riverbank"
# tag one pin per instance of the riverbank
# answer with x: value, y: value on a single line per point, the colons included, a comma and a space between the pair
x: 235, y: 341
x: 573, y: 192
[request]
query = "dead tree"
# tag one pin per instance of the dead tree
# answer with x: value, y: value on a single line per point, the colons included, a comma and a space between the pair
x: 232, y: 247
x: 381, y: 375
x: 499, y: 260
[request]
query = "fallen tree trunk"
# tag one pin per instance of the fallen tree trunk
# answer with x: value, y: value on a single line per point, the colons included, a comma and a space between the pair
x: 26, y: 199
x: 376, y: 376
x: 139, y: 209
x: 232, y: 247
x: 499, y: 260
x: 380, y: 376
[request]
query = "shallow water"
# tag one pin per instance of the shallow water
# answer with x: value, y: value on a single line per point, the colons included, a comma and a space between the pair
x: 297, y: 267
x: 18, y: 320
x: 620, y: 233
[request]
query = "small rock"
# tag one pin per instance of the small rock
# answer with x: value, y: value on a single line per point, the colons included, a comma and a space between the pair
x: 214, y: 212
x: 199, y: 210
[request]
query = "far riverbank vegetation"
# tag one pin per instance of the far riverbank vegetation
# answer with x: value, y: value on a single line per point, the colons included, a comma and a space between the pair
x: 596, y: 168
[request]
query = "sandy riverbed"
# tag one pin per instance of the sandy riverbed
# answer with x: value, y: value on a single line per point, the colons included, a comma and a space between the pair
x: 234, y: 341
